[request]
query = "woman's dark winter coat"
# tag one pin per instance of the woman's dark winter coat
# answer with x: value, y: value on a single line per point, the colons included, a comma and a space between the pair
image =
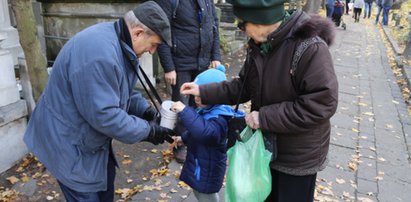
x: 299, y: 115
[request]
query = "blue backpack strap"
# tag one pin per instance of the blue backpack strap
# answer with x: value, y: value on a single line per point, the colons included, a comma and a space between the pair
x: 174, y: 6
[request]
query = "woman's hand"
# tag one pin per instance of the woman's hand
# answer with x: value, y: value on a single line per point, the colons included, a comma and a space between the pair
x: 190, y: 89
x: 252, y: 120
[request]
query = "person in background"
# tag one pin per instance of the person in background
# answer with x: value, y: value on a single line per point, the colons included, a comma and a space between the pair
x: 358, y: 5
x: 195, y: 47
x: 206, y: 140
x: 329, y: 6
x: 380, y: 8
x: 367, y: 8
x: 292, y: 108
x: 90, y: 100
x: 386, y: 5
x: 347, y: 8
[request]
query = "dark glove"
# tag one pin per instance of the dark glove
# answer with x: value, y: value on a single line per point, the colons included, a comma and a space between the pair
x: 151, y: 114
x: 158, y: 134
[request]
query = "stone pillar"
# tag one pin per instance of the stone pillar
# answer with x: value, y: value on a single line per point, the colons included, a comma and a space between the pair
x: 12, y: 43
x: 8, y: 87
x: 146, y: 62
x: 13, y: 113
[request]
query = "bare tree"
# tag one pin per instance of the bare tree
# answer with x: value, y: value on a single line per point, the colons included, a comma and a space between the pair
x: 36, y: 61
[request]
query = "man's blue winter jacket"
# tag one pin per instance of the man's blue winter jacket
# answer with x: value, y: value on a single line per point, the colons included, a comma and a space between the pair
x: 89, y: 101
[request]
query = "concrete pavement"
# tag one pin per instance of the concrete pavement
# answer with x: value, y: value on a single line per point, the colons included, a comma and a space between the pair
x: 369, y: 153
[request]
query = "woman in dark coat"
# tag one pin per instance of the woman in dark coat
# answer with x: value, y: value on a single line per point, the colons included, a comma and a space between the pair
x: 291, y: 106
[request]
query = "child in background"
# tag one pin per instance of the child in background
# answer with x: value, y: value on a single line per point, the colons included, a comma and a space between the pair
x: 206, y: 140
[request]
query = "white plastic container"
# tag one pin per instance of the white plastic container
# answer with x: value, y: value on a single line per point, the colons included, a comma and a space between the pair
x: 168, y: 117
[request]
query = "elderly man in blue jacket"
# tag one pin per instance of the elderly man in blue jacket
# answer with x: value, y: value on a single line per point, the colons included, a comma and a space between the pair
x: 89, y: 100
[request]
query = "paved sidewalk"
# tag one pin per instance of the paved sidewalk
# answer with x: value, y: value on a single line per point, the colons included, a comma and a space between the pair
x: 369, y: 153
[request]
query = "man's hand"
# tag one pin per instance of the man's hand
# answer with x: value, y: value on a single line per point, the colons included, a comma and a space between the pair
x: 158, y: 134
x: 177, y: 107
x: 190, y: 89
x: 252, y: 120
x: 214, y: 63
x: 171, y: 77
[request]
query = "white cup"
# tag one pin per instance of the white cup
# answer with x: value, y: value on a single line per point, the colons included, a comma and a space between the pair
x: 168, y: 117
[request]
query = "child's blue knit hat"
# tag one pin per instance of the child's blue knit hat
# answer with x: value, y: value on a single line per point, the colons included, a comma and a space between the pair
x: 211, y: 76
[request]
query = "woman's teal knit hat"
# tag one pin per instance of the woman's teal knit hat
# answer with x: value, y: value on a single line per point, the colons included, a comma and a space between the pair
x: 259, y: 11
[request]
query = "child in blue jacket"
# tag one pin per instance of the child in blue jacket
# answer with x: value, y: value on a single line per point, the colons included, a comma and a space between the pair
x: 206, y: 140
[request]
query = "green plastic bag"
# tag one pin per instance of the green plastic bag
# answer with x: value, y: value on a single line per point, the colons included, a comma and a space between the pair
x: 248, y: 176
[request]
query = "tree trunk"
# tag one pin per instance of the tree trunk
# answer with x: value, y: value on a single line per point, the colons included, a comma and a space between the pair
x: 312, y: 6
x: 36, y: 61
x: 407, y: 50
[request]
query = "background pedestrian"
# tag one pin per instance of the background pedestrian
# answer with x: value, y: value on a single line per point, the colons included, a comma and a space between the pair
x: 195, y: 47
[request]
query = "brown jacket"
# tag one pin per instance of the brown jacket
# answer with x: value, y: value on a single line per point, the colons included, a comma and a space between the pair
x: 298, y: 114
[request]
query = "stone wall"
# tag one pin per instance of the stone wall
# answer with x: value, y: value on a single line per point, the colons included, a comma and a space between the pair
x: 63, y: 19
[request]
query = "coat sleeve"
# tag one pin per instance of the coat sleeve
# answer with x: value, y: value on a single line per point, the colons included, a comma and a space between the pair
x: 226, y: 92
x: 164, y: 51
x: 138, y: 104
x: 201, y: 130
x: 216, y: 40
x: 317, y: 102
x: 96, y: 91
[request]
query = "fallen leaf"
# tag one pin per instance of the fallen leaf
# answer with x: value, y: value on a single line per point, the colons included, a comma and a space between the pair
x: 36, y: 175
x: 126, y: 161
x: 352, y: 166
x: 182, y: 184
x: 163, y: 195
x: 25, y: 179
x: 362, y: 104
x: 368, y: 113
x: 340, y: 181
x: 13, y: 179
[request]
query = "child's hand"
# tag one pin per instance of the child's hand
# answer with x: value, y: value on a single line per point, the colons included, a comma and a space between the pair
x: 177, y: 107
x: 177, y: 142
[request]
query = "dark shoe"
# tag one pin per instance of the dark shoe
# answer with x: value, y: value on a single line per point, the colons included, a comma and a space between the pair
x: 180, y: 154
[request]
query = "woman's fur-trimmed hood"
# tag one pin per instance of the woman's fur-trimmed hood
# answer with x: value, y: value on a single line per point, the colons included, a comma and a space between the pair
x: 314, y: 25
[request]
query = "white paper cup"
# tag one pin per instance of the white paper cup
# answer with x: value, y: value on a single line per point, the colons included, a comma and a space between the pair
x: 168, y: 117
